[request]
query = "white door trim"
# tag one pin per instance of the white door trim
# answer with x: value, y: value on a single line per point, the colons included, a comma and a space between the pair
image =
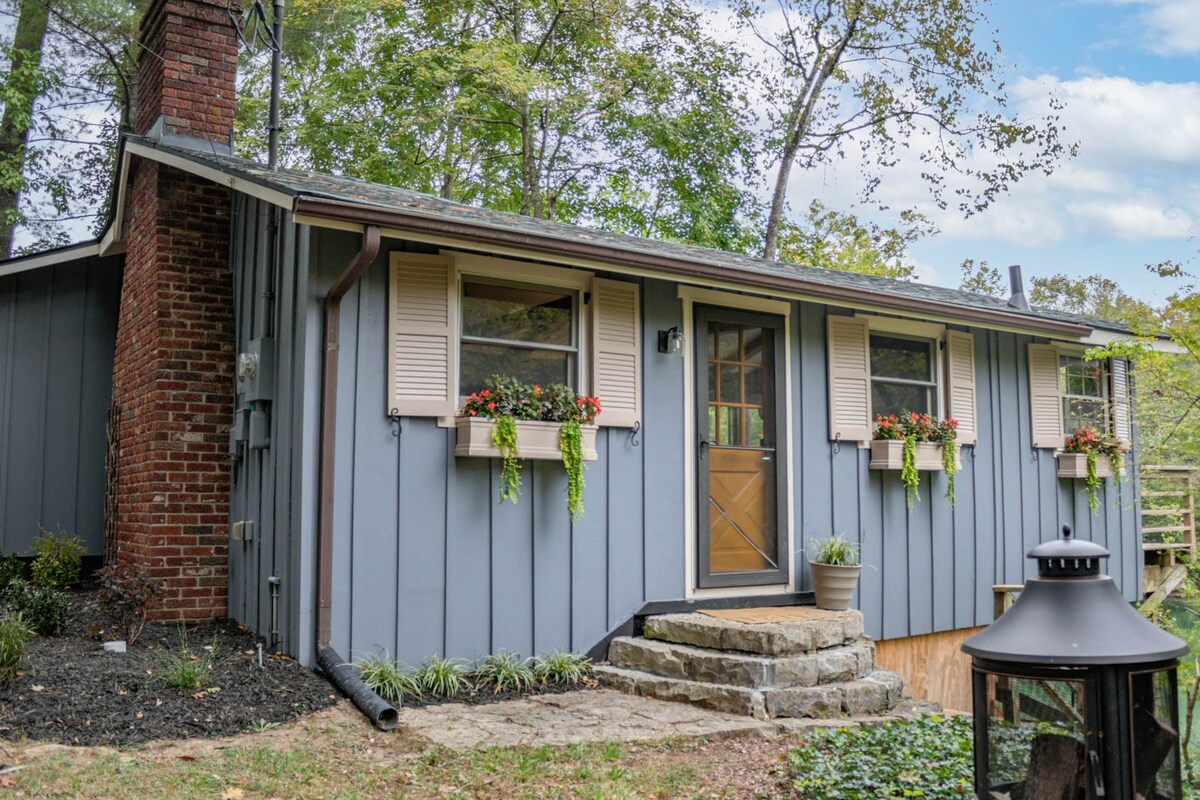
x: 690, y: 296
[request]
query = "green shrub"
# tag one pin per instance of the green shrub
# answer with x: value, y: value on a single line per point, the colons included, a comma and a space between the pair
x: 505, y: 672
x: 43, y: 610
x: 929, y: 757
x: 128, y: 592
x: 187, y: 671
x: 57, y: 559
x: 14, y: 637
x: 441, y: 677
x: 563, y: 668
x: 387, y: 678
x: 12, y: 569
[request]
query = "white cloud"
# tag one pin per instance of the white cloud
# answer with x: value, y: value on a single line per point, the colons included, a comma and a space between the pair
x: 1172, y: 26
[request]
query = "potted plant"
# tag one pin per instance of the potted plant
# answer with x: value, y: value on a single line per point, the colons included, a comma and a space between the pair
x: 912, y: 443
x: 514, y: 421
x: 835, y: 569
x: 1091, y: 458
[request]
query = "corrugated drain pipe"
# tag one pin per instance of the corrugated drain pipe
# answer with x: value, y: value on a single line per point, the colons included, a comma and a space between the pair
x: 380, y: 712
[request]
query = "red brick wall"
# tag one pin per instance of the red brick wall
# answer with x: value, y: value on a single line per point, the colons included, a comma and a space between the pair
x: 173, y: 382
x: 173, y: 376
x: 192, y: 81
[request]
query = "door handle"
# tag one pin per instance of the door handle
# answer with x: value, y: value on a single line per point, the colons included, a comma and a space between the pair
x: 703, y: 447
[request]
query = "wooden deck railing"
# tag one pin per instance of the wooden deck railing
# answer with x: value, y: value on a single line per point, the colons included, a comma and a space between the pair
x: 1168, y: 510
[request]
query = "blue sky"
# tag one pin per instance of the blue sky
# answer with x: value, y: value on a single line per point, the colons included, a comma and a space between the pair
x: 1129, y: 72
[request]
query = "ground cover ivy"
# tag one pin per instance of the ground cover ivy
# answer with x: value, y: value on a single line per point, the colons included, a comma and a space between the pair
x: 930, y: 757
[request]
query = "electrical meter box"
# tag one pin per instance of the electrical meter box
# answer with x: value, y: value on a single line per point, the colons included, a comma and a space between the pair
x: 256, y: 371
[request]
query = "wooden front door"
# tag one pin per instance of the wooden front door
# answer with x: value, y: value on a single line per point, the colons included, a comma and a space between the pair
x: 740, y: 452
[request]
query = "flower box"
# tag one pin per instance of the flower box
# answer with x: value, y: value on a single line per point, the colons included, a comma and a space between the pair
x: 537, y: 441
x: 889, y: 454
x: 1074, y: 465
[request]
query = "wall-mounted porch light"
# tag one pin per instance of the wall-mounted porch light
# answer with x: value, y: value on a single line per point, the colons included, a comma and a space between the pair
x: 670, y: 341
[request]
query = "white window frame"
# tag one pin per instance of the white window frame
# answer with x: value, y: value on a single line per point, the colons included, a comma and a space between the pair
x: 913, y: 329
x: 468, y: 266
x: 1068, y: 351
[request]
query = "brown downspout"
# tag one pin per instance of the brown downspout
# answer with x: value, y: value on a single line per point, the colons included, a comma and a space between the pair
x: 340, y: 673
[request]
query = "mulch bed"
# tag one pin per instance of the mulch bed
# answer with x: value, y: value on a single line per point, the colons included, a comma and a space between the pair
x: 72, y: 691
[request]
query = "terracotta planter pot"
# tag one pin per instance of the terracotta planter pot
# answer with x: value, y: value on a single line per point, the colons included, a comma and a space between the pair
x: 889, y: 454
x: 1074, y: 465
x: 834, y: 585
x: 537, y: 441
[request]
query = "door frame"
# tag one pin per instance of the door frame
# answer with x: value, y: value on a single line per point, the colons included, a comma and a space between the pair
x: 691, y: 296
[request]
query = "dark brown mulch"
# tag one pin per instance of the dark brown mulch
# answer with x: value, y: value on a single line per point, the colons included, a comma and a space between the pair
x: 72, y: 691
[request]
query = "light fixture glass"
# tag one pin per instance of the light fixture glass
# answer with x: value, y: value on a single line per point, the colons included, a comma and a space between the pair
x: 670, y: 341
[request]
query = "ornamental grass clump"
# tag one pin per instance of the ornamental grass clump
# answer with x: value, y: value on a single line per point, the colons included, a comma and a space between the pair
x: 562, y: 668
x: 441, y: 677
x: 14, y: 638
x: 185, y: 670
x: 1086, y: 442
x: 911, y: 428
x: 387, y: 677
x: 836, y: 551
x: 505, y: 672
x: 506, y: 400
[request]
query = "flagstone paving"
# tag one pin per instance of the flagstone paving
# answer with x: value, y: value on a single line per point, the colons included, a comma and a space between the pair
x: 598, y: 716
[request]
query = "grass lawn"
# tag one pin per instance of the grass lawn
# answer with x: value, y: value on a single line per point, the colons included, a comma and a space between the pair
x: 334, y: 754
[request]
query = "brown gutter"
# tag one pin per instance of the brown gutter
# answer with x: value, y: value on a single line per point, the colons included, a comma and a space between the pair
x: 597, y: 251
x: 329, y: 371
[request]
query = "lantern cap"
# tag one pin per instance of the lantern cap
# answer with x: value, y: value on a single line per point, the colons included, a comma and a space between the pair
x: 1068, y: 547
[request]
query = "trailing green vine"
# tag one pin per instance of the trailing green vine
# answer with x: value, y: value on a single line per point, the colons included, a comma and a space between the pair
x: 913, y: 428
x: 506, y: 400
x: 1085, y: 442
x: 950, y: 465
x: 908, y: 471
x: 570, y: 440
x: 504, y: 437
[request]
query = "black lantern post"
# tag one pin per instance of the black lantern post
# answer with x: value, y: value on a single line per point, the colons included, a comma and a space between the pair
x: 1075, y: 692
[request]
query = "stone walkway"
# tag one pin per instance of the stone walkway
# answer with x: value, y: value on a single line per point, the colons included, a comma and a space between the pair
x: 602, y: 715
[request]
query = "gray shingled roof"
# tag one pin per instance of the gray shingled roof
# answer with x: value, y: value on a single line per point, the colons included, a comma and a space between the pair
x: 299, y: 183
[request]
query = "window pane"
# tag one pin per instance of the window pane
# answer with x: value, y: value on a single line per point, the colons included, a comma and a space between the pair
x: 728, y: 349
x: 753, y: 344
x: 1084, y: 414
x: 757, y: 434
x: 712, y: 383
x: 754, y: 385
x: 482, y: 361
x: 892, y: 398
x: 519, y: 314
x: 1079, y: 377
x: 731, y: 384
x: 893, y: 357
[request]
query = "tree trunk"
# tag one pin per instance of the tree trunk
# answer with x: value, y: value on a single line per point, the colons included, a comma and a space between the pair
x: 18, y: 112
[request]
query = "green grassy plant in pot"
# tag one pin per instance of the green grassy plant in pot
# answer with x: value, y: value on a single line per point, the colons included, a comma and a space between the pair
x: 835, y: 568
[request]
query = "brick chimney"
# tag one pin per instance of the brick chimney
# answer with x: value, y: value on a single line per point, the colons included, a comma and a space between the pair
x: 173, y: 376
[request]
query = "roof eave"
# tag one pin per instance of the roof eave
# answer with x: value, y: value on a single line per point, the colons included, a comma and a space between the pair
x: 418, y: 222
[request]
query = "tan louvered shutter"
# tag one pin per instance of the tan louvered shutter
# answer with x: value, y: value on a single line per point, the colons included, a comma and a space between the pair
x: 960, y: 384
x: 617, y: 352
x: 849, y: 343
x: 1121, y: 405
x: 422, y: 325
x: 1045, y: 398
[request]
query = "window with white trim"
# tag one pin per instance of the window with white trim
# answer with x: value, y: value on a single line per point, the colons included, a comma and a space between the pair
x: 456, y: 319
x: 883, y: 365
x: 1084, y: 387
x: 522, y: 331
x: 903, y: 374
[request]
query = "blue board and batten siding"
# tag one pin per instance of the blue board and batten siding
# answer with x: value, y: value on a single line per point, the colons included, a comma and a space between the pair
x: 426, y: 561
x: 57, y: 335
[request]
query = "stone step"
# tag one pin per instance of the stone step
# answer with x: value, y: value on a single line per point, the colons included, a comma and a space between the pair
x: 670, y: 660
x: 874, y: 694
x: 815, y: 630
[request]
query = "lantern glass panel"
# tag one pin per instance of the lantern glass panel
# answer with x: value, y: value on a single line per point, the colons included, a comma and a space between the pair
x: 1153, y: 721
x: 1036, y: 738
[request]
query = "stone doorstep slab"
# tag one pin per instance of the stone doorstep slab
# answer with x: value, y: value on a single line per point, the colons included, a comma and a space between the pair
x: 875, y: 694
x: 671, y: 660
x: 830, y: 629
